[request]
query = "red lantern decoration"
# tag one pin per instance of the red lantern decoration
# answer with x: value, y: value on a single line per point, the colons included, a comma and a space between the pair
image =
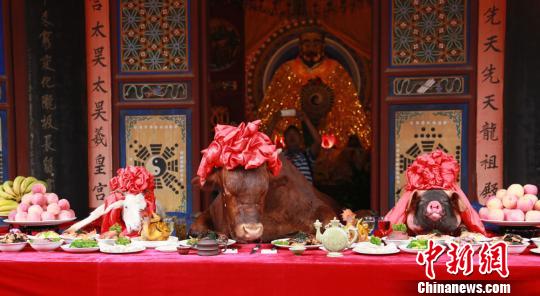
x: 328, y: 141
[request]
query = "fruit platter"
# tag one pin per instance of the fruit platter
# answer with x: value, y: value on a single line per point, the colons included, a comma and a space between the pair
x: 515, y: 206
x: 11, y: 193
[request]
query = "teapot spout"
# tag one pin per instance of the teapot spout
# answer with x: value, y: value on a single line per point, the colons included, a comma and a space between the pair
x: 318, y: 234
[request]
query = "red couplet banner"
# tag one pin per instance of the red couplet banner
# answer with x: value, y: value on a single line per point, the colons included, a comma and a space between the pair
x: 98, y: 70
x: 490, y: 79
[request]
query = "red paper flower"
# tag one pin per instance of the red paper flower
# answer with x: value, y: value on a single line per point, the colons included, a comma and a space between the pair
x: 435, y: 170
x: 132, y: 179
x: 241, y: 146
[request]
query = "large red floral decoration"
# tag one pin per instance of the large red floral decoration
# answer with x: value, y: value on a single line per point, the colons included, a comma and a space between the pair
x: 435, y: 170
x: 241, y: 146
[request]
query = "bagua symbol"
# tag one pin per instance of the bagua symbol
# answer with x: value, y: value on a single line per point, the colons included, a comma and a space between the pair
x: 159, y: 160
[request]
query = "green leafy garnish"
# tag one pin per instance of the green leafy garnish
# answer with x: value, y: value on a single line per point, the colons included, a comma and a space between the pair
x: 375, y: 240
x: 284, y: 242
x: 116, y: 228
x: 84, y: 243
x: 419, y: 244
x: 399, y: 227
x: 124, y: 241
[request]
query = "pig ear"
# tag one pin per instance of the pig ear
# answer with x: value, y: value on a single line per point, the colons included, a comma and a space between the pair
x: 454, y: 197
x: 414, y: 199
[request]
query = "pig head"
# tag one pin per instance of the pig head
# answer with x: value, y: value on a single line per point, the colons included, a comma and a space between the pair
x: 434, y: 210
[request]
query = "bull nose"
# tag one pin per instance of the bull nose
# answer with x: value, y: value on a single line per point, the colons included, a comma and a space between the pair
x: 249, y: 232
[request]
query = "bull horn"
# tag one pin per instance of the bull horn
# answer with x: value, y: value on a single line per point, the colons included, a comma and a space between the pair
x: 96, y: 214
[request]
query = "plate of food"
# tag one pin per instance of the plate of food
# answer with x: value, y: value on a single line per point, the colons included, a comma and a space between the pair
x: 460, y: 241
x: 478, y: 237
x: 122, y: 245
x: 14, y: 241
x: 512, y: 223
x: 415, y: 246
x: 81, y: 246
x: 375, y: 246
x: 68, y: 237
x: 436, y: 237
x: 45, y: 241
x: 172, y: 240
x: 515, y: 243
x: 39, y: 223
x: 300, y: 239
x: 220, y: 237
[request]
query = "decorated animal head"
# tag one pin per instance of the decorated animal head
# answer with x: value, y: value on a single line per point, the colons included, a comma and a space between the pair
x: 133, y: 206
x: 434, y: 210
x: 240, y: 163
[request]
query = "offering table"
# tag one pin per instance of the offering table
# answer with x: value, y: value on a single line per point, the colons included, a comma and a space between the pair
x: 154, y: 273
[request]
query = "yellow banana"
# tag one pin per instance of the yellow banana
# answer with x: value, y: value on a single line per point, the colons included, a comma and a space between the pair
x: 17, y: 184
x: 8, y: 188
x: 5, y: 195
x: 26, y: 185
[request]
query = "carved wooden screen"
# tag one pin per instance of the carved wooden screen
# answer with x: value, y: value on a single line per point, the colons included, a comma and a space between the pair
x: 427, y: 88
x: 156, y: 93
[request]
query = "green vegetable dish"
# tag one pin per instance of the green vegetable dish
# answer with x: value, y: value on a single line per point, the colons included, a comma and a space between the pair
x: 284, y: 242
x: 375, y: 240
x: 116, y: 227
x: 399, y: 227
x: 418, y: 244
x: 84, y: 243
x: 124, y: 241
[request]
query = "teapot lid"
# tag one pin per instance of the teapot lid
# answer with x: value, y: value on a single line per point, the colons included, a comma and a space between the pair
x: 207, y: 242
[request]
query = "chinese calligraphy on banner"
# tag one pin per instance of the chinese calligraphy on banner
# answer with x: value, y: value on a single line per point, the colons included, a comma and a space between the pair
x: 99, y: 99
x: 489, y: 122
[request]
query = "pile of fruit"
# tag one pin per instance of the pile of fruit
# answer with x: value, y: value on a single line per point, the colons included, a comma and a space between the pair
x: 41, y: 206
x: 11, y: 192
x: 517, y: 203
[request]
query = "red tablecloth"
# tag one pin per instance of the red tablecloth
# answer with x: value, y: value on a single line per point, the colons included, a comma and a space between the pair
x: 155, y: 273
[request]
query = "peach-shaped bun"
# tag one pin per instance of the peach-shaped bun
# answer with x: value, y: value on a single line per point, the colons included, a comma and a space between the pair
x: 516, y: 189
x: 496, y: 214
x: 35, y: 209
x: 53, y: 208
x: 530, y: 189
x: 525, y: 204
x: 34, y: 217
x: 515, y: 215
x: 37, y: 199
x: 501, y: 193
x: 27, y: 198
x: 48, y: 216
x: 532, y: 216
x: 483, y: 212
x: 537, y: 206
x: 64, y: 204
x: 38, y: 188
x: 21, y: 216
x: 65, y: 214
x: 531, y: 197
x: 23, y: 207
x: 510, y: 201
x: 51, y: 198
x: 494, y: 203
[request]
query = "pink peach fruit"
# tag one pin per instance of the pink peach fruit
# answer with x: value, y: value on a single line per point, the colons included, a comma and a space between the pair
x: 39, y: 188
x: 531, y: 197
x: 516, y: 189
x: 47, y: 216
x: 515, y: 215
x: 64, y: 204
x: 524, y: 204
x: 34, y: 217
x: 21, y: 216
x: 501, y: 193
x: 532, y: 216
x: 51, y: 198
x: 53, y: 208
x: 64, y: 215
x: 483, y: 212
x: 27, y: 198
x: 510, y: 201
x: 23, y: 207
x: 496, y: 214
x: 12, y: 214
x: 494, y: 203
x: 537, y: 206
x: 530, y: 189
x: 35, y: 209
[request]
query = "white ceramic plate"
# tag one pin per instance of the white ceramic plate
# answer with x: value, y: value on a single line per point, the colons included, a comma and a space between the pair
x: 367, y: 248
x: 408, y: 250
x: 275, y: 243
x: 67, y: 248
x: 46, y: 247
x: 184, y: 243
x: 517, y: 249
x: 512, y: 223
x: 69, y: 239
x: 119, y: 249
x: 39, y: 223
x: 173, y: 240
x: 167, y: 249
x: 13, y: 247
x: 397, y: 242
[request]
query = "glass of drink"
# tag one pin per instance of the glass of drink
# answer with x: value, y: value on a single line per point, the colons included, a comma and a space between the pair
x: 370, y: 223
x: 383, y: 225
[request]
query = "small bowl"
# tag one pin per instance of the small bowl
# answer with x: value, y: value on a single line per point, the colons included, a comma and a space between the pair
x: 183, y: 250
x: 397, y: 242
x: 297, y: 250
x: 12, y: 247
x: 517, y: 249
x: 536, y: 241
x: 46, y: 246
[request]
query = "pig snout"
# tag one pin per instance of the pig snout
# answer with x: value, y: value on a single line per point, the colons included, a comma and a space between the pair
x: 434, y: 210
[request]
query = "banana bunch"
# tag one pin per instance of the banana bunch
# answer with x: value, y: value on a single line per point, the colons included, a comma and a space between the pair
x: 11, y: 192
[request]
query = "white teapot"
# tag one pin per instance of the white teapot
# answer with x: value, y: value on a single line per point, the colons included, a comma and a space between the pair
x: 335, y: 239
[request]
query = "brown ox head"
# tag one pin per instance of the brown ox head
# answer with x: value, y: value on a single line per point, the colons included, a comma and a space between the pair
x: 243, y: 195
